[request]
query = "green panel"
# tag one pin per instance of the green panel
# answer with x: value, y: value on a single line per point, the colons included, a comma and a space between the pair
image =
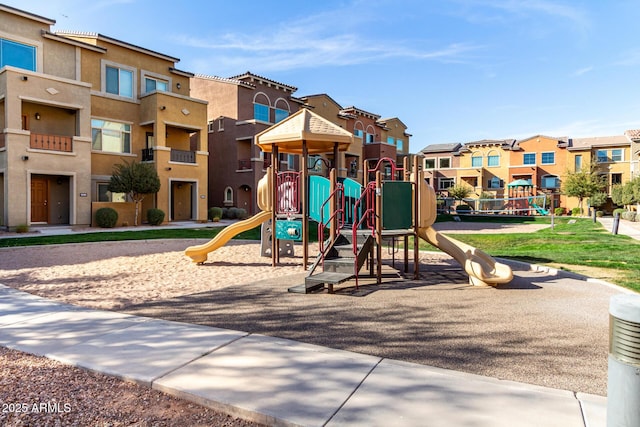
x: 397, y: 207
x: 289, y: 230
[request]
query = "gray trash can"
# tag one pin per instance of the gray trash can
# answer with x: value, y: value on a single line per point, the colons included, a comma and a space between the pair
x: 623, y: 386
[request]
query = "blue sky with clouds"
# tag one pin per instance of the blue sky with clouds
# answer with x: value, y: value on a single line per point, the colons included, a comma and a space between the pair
x: 451, y: 70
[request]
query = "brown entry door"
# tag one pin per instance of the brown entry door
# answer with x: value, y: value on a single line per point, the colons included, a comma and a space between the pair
x: 39, y: 199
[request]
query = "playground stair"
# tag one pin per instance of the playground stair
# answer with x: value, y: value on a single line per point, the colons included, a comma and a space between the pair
x: 339, y: 263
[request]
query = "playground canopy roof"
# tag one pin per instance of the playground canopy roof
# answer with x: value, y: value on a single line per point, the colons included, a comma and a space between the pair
x: 319, y: 134
x: 520, y: 183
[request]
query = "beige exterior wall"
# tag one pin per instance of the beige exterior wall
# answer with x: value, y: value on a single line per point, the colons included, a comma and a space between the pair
x: 45, y: 119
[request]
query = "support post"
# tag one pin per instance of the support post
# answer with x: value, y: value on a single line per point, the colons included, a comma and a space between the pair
x: 305, y: 205
x: 274, y: 207
x: 416, y: 217
x: 378, y: 212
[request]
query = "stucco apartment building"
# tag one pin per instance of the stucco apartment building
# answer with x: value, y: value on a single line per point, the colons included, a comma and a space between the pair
x: 239, y: 108
x: 72, y: 105
x: 488, y: 166
x: 244, y: 105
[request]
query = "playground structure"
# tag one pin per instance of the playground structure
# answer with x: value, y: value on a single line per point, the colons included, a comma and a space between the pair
x: 354, y: 220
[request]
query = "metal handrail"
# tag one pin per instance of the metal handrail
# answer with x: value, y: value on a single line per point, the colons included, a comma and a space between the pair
x: 338, y: 194
x: 369, y: 214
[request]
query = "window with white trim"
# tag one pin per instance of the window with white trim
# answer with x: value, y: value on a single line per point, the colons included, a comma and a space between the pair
x: 529, y: 159
x: 493, y: 159
x: 601, y: 156
x: 444, y: 162
x: 113, y: 137
x: 228, y: 195
x: 429, y: 163
x: 446, y: 183
x: 495, y: 182
x: 358, y: 133
x: 399, y: 144
x: 548, y: 158
x: 616, y: 155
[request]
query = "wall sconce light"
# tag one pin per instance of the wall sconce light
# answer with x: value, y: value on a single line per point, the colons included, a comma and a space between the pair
x: 37, y: 116
x: 24, y: 158
x: 178, y: 85
x: 24, y: 78
x: 163, y: 107
x: 167, y: 169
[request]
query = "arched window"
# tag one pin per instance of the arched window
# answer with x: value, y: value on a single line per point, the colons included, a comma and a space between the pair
x: 493, y: 158
x: 476, y: 160
x: 370, y: 135
x: 358, y: 129
x: 282, y: 109
x: 228, y: 196
x: 261, y: 105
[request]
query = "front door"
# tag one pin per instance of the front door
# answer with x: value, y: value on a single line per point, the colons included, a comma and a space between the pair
x: 39, y: 199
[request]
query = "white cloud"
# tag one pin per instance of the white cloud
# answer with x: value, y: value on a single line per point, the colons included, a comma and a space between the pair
x: 582, y: 71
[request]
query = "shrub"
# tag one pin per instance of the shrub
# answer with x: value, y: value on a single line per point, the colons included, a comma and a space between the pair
x: 629, y: 215
x: 576, y: 212
x: 155, y: 216
x: 464, y: 208
x: 239, y: 213
x: 214, y: 212
x: 228, y: 214
x: 106, y: 217
x: 22, y: 228
x: 559, y: 211
x: 619, y: 211
x: 599, y: 214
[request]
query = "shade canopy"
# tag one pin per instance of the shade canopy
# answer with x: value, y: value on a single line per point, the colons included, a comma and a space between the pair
x: 319, y: 134
x: 520, y: 183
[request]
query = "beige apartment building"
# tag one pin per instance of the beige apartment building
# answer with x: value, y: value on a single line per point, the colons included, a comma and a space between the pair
x: 72, y: 105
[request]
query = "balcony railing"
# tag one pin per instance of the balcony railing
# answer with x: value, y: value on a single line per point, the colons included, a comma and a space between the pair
x: 51, y: 142
x: 183, y: 156
x: 147, y: 154
x: 244, y: 164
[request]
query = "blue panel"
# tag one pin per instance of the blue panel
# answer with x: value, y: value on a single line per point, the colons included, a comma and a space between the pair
x: 289, y: 230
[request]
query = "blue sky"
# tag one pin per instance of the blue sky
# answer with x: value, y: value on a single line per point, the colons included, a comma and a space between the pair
x: 451, y: 70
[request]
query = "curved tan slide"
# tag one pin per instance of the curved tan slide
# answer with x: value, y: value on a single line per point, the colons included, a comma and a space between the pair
x: 482, y: 269
x: 199, y: 253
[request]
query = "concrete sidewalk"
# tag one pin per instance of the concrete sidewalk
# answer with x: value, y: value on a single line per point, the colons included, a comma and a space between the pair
x: 277, y: 381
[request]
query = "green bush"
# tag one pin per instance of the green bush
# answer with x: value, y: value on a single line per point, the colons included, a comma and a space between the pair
x: 619, y: 211
x: 559, y: 211
x: 106, y: 217
x: 228, y: 214
x: 22, y: 228
x: 155, y: 216
x: 599, y: 214
x: 576, y: 212
x: 238, y: 213
x: 629, y: 215
x: 214, y: 212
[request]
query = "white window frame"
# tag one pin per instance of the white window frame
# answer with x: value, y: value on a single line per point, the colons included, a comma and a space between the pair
x: 451, y: 181
x: 542, y: 162
x: 524, y: 156
x: 621, y: 159
x: 440, y: 159
x: 130, y: 132
x: 228, y: 195
x: 430, y: 159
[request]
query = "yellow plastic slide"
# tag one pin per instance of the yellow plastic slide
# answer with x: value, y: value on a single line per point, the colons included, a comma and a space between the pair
x: 198, y: 254
x: 482, y: 269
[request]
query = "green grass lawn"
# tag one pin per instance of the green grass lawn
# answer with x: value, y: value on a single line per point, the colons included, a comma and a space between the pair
x: 570, y: 246
x: 581, y: 246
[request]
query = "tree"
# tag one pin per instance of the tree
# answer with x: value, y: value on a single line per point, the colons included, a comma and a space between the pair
x: 583, y: 183
x: 459, y: 191
x: 598, y: 199
x: 626, y: 194
x: 136, y: 180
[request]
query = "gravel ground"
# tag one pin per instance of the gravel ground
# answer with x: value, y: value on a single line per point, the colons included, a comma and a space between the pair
x: 36, y: 391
